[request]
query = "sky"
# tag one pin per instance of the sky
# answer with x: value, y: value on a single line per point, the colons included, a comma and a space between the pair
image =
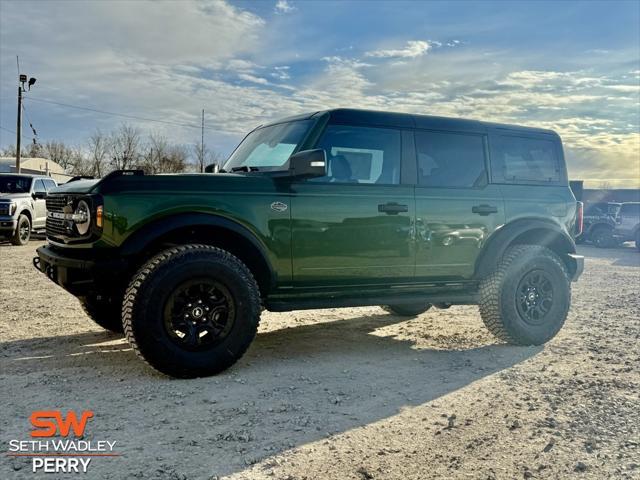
x: 567, y: 65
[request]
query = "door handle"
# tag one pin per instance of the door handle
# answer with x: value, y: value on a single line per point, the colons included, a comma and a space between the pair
x: 392, y: 208
x: 484, y: 209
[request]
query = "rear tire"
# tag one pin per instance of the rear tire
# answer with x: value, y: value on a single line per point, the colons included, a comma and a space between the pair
x: 105, y: 312
x: 191, y: 311
x: 602, y: 237
x: 23, y: 231
x: 409, y: 310
x: 526, y: 300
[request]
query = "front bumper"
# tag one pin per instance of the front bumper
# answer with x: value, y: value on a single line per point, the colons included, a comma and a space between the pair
x: 7, y: 225
x: 577, y: 264
x: 77, y: 272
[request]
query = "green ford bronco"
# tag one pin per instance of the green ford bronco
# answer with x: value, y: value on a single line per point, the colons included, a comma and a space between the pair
x: 336, y: 208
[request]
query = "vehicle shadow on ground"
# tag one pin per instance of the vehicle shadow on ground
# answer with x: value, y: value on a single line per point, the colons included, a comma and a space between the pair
x: 295, y: 385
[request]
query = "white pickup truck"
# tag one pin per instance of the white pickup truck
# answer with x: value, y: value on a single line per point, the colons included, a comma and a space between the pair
x: 23, y: 206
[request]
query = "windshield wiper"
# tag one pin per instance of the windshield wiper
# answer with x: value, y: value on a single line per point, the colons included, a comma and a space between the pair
x: 245, y: 168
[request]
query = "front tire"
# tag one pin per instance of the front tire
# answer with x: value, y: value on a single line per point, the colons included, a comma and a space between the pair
x: 408, y: 310
x: 106, y: 312
x: 526, y: 300
x: 23, y: 231
x: 191, y: 311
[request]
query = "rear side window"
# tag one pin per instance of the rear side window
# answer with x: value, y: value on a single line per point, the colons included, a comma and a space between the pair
x: 630, y: 210
x: 516, y: 159
x: 450, y: 160
x: 361, y: 155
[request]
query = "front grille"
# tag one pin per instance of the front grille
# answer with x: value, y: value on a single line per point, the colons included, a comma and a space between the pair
x: 4, y: 208
x: 55, y: 203
x: 58, y: 228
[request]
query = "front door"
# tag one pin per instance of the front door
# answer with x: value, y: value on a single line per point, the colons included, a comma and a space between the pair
x: 456, y: 208
x: 354, y: 226
x: 39, y: 204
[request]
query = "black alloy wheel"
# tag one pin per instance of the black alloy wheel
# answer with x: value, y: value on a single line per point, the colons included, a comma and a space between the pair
x: 199, y: 313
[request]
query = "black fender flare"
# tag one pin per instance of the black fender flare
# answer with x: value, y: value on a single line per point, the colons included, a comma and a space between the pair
x: 160, y: 227
x: 545, y: 232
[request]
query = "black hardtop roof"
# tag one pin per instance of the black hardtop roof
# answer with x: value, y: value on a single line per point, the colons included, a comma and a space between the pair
x: 408, y: 120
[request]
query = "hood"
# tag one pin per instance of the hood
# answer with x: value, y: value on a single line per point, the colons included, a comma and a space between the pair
x: 13, y: 196
x: 79, y: 186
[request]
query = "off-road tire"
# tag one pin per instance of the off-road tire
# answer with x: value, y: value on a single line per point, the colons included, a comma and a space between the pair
x: 19, y: 236
x: 499, y: 296
x: 105, y: 312
x: 602, y: 237
x: 408, y: 310
x: 145, y: 305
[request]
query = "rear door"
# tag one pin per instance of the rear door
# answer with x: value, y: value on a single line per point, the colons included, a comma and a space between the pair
x: 354, y: 226
x: 456, y: 208
x: 629, y: 218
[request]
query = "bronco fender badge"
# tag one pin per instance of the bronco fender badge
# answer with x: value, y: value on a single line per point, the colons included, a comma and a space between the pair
x: 279, y: 206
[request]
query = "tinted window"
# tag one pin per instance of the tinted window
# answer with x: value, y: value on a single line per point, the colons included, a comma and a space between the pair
x: 450, y: 159
x: 14, y: 184
x: 49, y: 184
x: 39, y: 187
x: 526, y: 159
x: 630, y: 209
x: 361, y: 155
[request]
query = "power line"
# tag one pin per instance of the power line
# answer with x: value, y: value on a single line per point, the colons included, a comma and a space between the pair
x: 7, y: 130
x: 123, y: 115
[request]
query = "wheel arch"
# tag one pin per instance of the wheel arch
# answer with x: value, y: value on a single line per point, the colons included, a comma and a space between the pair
x: 526, y: 231
x: 203, y: 228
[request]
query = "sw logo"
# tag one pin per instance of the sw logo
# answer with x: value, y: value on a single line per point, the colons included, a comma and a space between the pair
x: 49, y: 422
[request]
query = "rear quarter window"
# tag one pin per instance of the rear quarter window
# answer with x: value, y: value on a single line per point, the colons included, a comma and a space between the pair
x: 522, y: 159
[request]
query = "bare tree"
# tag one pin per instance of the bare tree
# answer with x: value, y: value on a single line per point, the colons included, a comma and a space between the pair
x: 59, y: 153
x: 204, y: 156
x: 125, y: 147
x: 98, y: 153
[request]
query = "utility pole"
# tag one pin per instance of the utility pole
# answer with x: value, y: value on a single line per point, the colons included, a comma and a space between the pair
x: 202, y: 145
x: 19, y: 126
x: 22, y: 79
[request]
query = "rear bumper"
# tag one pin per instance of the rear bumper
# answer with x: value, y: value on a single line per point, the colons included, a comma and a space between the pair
x: 577, y: 264
x: 77, y: 273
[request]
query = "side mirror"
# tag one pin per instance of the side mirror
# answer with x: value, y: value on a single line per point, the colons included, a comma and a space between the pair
x: 39, y: 195
x: 213, y: 168
x: 308, y: 163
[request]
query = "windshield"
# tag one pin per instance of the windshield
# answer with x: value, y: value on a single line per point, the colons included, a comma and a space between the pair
x: 14, y: 184
x: 268, y: 148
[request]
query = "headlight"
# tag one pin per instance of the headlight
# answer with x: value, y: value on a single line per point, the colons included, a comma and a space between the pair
x: 82, y: 217
x: 12, y: 208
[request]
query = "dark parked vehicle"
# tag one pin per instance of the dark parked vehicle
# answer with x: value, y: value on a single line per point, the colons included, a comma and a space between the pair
x: 628, y: 224
x: 22, y: 205
x: 599, y: 223
x: 330, y: 209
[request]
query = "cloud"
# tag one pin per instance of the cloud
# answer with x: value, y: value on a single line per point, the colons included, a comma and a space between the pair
x: 283, y: 6
x: 413, y: 49
x: 252, y: 78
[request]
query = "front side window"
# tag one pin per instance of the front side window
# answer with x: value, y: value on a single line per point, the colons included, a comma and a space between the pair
x: 268, y: 148
x: 450, y: 160
x: 525, y: 159
x: 38, y: 187
x: 49, y: 184
x: 14, y: 184
x: 361, y: 155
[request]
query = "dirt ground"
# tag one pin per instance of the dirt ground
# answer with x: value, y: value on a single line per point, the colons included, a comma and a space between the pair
x: 340, y: 394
